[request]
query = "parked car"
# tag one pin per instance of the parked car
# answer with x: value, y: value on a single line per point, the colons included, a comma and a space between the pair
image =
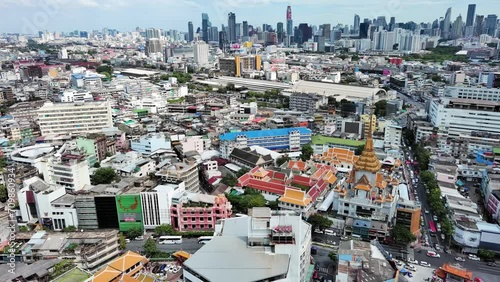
x: 492, y: 264
x: 411, y: 267
x: 459, y: 259
x: 139, y: 238
x: 437, y: 247
x: 127, y: 241
x: 427, y: 211
x: 414, y: 261
x: 426, y: 264
x: 435, y: 218
x: 399, y: 263
x: 442, y: 237
x: 473, y: 257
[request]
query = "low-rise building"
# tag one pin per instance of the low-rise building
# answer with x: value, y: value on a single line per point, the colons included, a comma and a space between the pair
x: 150, y: 143
x: 198, y: 212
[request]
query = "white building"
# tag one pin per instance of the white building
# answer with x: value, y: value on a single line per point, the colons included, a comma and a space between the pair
x: 156, y: 204
x: 201, y: 52
x: 149, y: 143
x: 73, y: 95
x: 48, y: 204
x: 277, y: 243
x: 74, y: 118
x: 463, y: 116
x: 473, y: 93
x: 199, y: 144
x: 68, y: 170
x: 392, y: 136
x: 186, y: 172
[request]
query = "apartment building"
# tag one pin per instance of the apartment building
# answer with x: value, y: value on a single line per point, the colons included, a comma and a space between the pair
x: 473, y: 93
x: 149, y: 143
x: 198, y: 212
x: 277, y: 242
x: 68, y: 170
x: 186, y: 172
x: 74, y: 118
x: 307, y: 102
x: 25, y: 110
x: 392, y: 136
x: 46, y: 204
x: 274, y: 139
x: 462, y: 116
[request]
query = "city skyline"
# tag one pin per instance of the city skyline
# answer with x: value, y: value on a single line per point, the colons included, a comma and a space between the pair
x: 63, y: 15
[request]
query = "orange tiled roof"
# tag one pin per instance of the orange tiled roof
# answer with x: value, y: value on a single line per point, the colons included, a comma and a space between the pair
x: 364, y: 187
x: 260, y: 173
x: 463, y: 273
x: 296, y: 197
x: 330, y: 177
x: 126, y: 261
x: 297, y: 165
x: 106, y: 274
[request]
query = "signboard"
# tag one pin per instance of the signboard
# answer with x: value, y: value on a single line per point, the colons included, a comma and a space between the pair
x: 129, y: 211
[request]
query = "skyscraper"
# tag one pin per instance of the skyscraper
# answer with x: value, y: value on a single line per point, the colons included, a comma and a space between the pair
x: 491, y: 25
x: 204, y: 27
x: 356, y: 24
x: 231, y: 24
x: 479, y: 25
x: 280, y: 32
x: 471, y: 12
x: 363, y: 30
x: 190, y: 32
x: 245, y: 28
x: 289, y: 24
x: 446, y: 24
x: 458, y: 26
x: 327, y: 29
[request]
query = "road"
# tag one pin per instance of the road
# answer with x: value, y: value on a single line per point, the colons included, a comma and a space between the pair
x: 479, y: 268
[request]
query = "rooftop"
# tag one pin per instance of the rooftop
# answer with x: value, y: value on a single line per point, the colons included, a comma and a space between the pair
x: 230, y: 136
x: 240, y: 262
x: 323, y: 140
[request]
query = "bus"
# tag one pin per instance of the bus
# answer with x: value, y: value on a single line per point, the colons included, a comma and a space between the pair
x: 432, y: 227
x: 170, y: 240
x: 204, y: 239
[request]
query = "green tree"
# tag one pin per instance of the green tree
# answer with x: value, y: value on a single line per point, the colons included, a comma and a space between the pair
x: 104, y: 68
x: 165, y: 229
x: 70, y: 228
x: 486, y: 254
x: 71, y: 247
x: 447, y: 227
x: 97, y: 165
x: 24, y: 229
x: 122, y: 242
x: 272, y: 205
x: 282, y: 160
x: 67, y: 67
x: 319, y: 222
x: 422, y: 156
x: 4, y: 196
x: 380, y: 108
x: 134, y: 232
x: 332, y: 256
x: 307, y: 152
x: 230, y: 87
x: 436, y: 78
x: 150, y: 248
x: 241, y: 172
x: 103, y: 175
x: 359, y: 149
x: 229, y: 180
x: 402, y: 234
x: 426, y: 176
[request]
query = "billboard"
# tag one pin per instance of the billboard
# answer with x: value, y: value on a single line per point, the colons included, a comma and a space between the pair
x: 129, y: 211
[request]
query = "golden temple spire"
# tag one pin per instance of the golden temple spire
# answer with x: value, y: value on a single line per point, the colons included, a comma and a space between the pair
x: 368, y: 161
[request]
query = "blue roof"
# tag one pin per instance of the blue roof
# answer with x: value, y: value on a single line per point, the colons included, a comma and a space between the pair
x: 77, y: 75
x: 263, y: 133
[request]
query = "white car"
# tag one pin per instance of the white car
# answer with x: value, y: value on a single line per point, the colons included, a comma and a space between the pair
x: 427, y: 211
x: 410, y: 267
x: 459, y: 259
x: 414, y: 261
x: 473, y: 257
x: 399, y: 263
x: 435, y: 218
x: 433, y: 254
x: 426, y: 264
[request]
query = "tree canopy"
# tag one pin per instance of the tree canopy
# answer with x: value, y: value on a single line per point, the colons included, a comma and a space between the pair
x: 250, y: 199
x: 104, y: 68
x: 402, y: 234
x: 103, y: 175
x: 134, y: 232
x: 307, y: 152
x: 4, y: 196
x: 150, y: 248
x: 165, y: 229
x: 380, y: 108
x: 319, y: 222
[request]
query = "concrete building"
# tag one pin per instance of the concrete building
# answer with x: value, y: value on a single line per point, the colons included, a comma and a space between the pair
x: 462, y: 116
x: 74, y: 118
x: 198, y: 212
x: 472, y: 93
x: 73, y: 95
x: 157, y: 204
x: 186, y: 172
x: 46, y: 204
x: 249, y: 238
x: 305, y: 102
x: 66, y: 169
x: 87, y: 81
x: 201, y: 53
x: 392, y: 136
x: 274, y: 139
x: 149, y: 143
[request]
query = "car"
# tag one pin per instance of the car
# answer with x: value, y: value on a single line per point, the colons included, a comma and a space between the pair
x: 473, y: 257
x: 437, y: 247
x: 433, y: 254
x: 399, y: 263
x: 426, y: 264
x: 414, y: 261
x: 492, y: 264
x: 344, y: 238
x: 139, y: 238
x: 175, y: 270
x: 427, y: 211
x: 127, y: 241
x: 459, y: 259
x: 442, y: 237
x: 435, y: 218
x: 410, y: 267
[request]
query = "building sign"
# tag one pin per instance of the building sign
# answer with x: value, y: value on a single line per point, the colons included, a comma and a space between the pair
x: 129, y: 211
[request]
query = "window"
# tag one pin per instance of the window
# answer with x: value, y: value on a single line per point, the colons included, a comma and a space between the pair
x: 193, y: 219
x: 210, y: 226
x: 185, y: 226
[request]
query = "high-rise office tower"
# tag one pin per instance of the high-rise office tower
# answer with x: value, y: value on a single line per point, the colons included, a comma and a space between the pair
x: 190, y: 31
x: 238, y: 30
x: 446, y: 24
x: 280, y: 32
x: 471, y: 12
x: 289, y: 24
x: 363, y: 30
x: 153, y: 33
x: 214, y: 33
x: 305, y: 33
x: 381, y: 21
x: 245, y: 28
x: 491, y: 25
x: 392, y: 24
x: 201, y: 53
x: 356, y: 24
x: 222, y: 40
x: 231, y: 24
x: 479, y: 27
x: 327, y: 30
x: 153, y: 45
x: 457, y: 27
x: 204, y: 27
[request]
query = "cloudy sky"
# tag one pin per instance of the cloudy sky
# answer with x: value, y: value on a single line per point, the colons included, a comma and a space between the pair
x: 29, y: 16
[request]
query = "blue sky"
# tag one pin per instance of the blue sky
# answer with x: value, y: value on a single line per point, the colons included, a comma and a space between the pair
x: 27, y: 16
